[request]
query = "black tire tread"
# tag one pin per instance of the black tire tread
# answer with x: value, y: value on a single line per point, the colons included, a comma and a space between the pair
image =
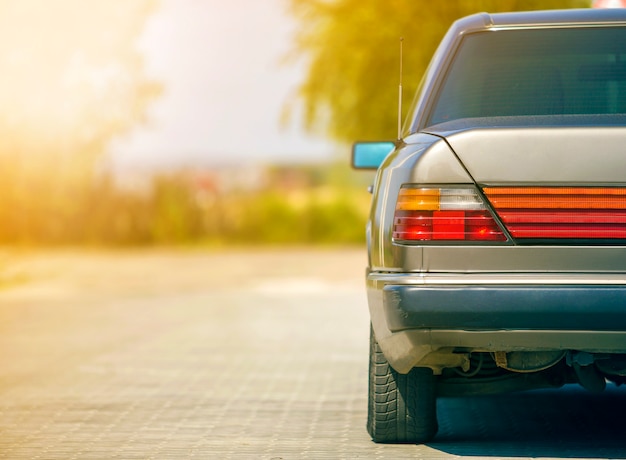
x: 401, y: 407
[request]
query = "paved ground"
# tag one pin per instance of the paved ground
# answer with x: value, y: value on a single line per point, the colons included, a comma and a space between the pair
x: 220, y: 355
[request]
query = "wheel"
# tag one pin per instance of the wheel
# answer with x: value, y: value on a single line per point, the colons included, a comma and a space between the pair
x: 401, y: 407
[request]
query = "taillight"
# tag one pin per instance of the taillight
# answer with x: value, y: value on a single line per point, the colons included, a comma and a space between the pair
x: 443, y: 214
x: 561, y: 212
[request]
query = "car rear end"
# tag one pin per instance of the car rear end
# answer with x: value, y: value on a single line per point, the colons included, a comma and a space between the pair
x: 516, y: 259
x: 497, y: 237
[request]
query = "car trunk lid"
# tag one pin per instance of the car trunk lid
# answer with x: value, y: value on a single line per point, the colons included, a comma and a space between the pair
x: 589, y: 155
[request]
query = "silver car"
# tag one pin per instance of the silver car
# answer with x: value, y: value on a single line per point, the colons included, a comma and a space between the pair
x: 497, y: 234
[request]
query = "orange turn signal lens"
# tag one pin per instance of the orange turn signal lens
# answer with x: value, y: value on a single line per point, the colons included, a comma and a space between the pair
x: 418, y: 199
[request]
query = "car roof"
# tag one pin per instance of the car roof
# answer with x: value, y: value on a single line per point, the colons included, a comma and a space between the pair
x: 547, y: 18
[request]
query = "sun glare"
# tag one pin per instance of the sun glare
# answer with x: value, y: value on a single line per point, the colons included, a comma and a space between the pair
x: 71, y: 74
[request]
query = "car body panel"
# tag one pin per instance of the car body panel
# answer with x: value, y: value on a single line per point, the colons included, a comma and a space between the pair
x: 541, y: 306
x: 509, y: 259
x: 437, y: 163
x: 589, y: 155
x: 522, y: 259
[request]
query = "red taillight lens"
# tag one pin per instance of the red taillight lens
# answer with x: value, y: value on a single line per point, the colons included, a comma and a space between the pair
x: 426, y: 214
x: 561, y: 212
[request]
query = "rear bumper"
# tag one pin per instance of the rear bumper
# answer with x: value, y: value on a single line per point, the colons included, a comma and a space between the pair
x: 417, y: 317
x: 509, y: 307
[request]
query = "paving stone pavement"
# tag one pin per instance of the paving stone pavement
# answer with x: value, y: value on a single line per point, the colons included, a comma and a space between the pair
x: 232, y: 355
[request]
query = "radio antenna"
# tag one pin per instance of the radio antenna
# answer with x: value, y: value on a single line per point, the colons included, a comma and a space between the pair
x: 400, y: 95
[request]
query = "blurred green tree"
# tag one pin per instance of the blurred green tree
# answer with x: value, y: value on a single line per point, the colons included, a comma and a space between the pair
x: 72, y: 79
x: 351, y: 49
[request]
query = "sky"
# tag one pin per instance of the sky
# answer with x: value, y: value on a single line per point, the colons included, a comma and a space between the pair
x: 222, y: 64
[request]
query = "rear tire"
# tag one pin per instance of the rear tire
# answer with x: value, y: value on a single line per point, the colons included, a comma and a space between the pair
x: 402, y: 408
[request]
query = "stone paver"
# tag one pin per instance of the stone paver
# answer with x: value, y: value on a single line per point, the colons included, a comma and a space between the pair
x: 232, y: 355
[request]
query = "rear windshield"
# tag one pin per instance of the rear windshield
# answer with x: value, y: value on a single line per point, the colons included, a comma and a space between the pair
x: 567, y: 74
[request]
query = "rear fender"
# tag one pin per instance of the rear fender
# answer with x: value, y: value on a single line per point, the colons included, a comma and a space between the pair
x: 423, y: 159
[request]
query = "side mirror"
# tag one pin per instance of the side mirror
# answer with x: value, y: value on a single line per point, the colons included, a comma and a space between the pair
x: 370, y: 155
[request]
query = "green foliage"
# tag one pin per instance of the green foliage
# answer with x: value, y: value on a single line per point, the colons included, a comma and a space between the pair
x: 324, y: 206
x: 274, y: 218
x: 314, y: 205
x: 175, y: 216
x: 351, y: 48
